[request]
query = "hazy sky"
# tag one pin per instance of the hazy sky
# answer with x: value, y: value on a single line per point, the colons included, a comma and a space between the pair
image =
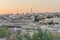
x: 13, y: 6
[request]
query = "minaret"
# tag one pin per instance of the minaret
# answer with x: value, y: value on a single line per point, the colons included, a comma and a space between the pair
x: 31, y: 10
x: 17, y: 13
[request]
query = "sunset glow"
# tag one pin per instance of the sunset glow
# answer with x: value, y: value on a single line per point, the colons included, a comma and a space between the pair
x: 22, y: 6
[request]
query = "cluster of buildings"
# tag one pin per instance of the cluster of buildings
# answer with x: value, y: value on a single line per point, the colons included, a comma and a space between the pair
x: 26, y: 23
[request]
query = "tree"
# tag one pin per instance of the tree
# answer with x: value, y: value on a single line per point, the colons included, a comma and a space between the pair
x: 49, y: 16
x: 36, y: 19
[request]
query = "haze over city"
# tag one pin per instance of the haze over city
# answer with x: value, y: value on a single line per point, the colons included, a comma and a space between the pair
x: 22, y: 6
x: 29, y: 19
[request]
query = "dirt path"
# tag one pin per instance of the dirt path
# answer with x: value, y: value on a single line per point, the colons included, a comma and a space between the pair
x: 13, y: 36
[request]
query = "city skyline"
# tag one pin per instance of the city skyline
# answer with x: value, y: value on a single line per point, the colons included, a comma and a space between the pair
x: 22, y: 6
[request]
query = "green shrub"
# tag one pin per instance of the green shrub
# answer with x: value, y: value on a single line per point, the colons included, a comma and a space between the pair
x: 39, y: 35
x: 19, y: 37
x: 4, y: 32
x: 43, y: 35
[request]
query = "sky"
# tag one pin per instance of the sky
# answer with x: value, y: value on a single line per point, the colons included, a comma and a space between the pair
x: 22, y: 6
